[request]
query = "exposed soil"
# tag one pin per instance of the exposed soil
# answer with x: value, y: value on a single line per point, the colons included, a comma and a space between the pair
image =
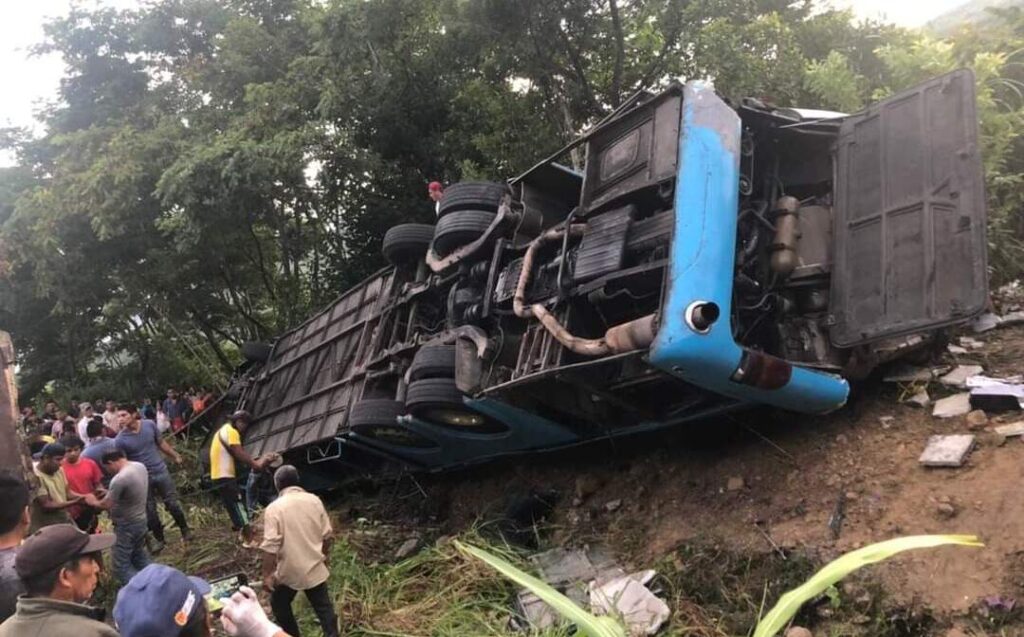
x: 765, y: 474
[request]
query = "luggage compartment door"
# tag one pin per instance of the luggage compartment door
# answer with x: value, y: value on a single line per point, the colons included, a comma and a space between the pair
x: 910, y: 245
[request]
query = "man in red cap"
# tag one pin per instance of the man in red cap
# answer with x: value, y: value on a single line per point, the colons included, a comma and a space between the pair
x: 435, y: 191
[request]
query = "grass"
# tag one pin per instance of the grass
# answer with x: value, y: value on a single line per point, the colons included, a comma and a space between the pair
x: 713, y: 591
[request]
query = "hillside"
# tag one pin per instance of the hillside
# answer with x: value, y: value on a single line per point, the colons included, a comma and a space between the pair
x: 972, y: 12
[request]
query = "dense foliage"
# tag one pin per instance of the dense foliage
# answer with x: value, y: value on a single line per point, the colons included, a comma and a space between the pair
x: 212, y: 171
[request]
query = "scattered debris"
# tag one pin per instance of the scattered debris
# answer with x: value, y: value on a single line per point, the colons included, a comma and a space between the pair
x: 612, y: 506
x: 958, y: 377
x: 920, y: 399
x: 538, y: 615
x: 985, y: 322
x: 407, y: 548
x: 998, y: 602
x: 952, y: 406
x: 629, y: 598
x: 990, y: 321
x: 1012, y: 429
x: 735, y: 483
x: 989, y: 381
x: 1013, y: 318
x: 996, y: 394
x: 991, y: 439
x: 591, y: 576
x: 910, y: 374
x: 886, y: 421
x: 956, y: 350
x: 835, y: 521
x: 768, y: 538
x: 947, y: 451
x: 946, y: 510
x: 976, y: 419
x: 970, y: 343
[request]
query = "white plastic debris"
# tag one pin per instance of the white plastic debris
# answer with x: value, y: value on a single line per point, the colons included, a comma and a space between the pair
x: 629, y: 598
x: 952, y: 406
x: 958, y: 377
x: 989, y: 381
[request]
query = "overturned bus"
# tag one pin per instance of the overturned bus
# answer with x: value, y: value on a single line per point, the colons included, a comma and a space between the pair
x: 708, y: 257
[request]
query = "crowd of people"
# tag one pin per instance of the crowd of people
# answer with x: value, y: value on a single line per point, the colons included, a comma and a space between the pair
x: 51, y: 551
x: 169, y: 413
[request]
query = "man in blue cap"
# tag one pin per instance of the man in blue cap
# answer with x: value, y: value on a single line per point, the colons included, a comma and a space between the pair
x: 161, y: 601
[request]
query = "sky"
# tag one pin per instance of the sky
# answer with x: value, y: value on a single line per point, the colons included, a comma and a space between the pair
x: 30, y: 81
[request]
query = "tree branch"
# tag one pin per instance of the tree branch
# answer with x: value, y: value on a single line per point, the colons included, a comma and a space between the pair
x: 620, y: 53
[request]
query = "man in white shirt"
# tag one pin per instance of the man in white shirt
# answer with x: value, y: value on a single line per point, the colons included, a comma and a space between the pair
x: 85, y: 413
x: 110, y: 417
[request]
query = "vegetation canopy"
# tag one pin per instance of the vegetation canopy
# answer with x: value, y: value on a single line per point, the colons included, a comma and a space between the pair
x: 211, y: 172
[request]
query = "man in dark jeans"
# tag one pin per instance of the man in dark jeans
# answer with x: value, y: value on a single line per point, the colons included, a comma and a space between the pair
x: 297, y: 538
x: 126, y: 502
x: 141, y: 442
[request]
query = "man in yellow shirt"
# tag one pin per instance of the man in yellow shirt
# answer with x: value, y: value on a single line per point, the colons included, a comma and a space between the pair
x: 225, y: 450
x: 297, y: 537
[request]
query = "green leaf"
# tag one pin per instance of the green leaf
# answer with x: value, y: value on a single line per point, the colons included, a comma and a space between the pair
x: 589, y: 625
x: 790, y: 603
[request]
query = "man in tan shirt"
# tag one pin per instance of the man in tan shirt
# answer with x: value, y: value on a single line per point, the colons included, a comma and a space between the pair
x: 297, y: 537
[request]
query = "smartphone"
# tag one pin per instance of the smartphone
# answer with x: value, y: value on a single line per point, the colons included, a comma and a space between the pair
x: 222, y: 588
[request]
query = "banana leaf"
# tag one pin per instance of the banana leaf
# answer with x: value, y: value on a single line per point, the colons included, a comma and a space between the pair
x: 790, y: 603
x: 588, y: 624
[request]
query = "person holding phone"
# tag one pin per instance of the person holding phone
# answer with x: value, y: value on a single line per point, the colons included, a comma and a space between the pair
x: 160, y: 600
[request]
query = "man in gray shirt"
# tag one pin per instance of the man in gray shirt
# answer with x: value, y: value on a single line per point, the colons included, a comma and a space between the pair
x: 126, y: 501
x: 13, y: 526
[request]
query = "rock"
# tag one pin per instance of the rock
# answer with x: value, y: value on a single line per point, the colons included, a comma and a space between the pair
x: 852, y: 496
x: 1012, y: 429
x: 1012, y: 318
x: 577, y: 502
x: 735, y: 483
x: 920, y: 399
x: 842, y: 439
x: 976, y: 419
x: 958, y: 377
x: 956, y: 350
x: 612, y: 506
x: 408, y: 548
x: 798, y: 631
x: 945, y: 510
x: 886, y: 421
x: 952, y: 406
x: 947, y: 451
x: 971, y: 343
x: 992, y: 439
x: 587, y: 485
x: 984, y: 323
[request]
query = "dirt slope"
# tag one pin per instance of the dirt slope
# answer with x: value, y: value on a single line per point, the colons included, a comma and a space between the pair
x: 718, y: 481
